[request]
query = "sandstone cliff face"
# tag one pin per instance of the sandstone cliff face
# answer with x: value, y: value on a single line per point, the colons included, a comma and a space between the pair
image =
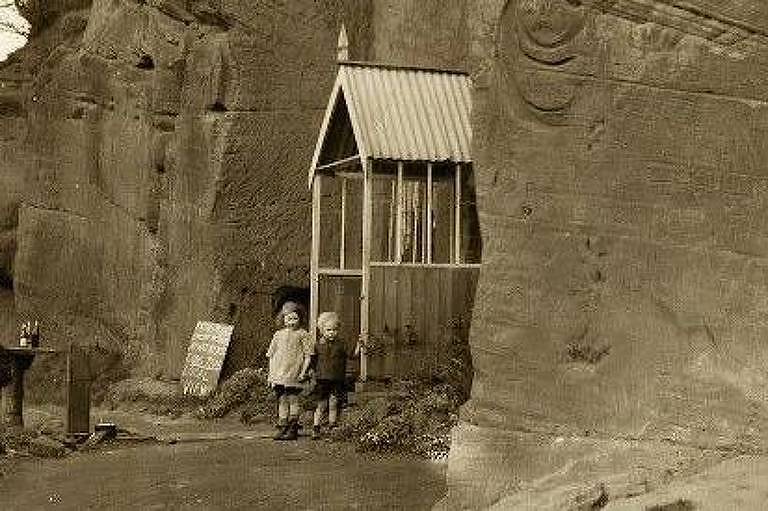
x: 619, y: 336
x: 158, y: 161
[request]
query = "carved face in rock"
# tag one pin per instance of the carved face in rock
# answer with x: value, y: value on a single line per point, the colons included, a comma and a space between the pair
x: 537, y: 37
x: 549, y: 23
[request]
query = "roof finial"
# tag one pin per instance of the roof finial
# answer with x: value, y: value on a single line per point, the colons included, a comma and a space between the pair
x: 342, y: 47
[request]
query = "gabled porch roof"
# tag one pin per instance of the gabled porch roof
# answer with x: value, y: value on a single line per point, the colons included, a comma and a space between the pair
x: 395, y: 113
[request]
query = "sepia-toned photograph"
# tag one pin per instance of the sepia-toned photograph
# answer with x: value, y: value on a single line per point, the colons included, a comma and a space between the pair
x: 376, y: 255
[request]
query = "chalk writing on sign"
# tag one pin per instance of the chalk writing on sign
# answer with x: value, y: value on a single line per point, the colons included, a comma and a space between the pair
x: 205, y: 357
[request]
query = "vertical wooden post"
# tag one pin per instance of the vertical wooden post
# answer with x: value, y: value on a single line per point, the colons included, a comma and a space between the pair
x: 399, y: 219
x: 314, y: 279
x: 13, y: 395
x: 78, y: 391
x: 391, y: 223
x: 366, y: 264
x: 415, y: 223
x: 423, y: 220
x: 428, y: 227
x: 457, y: 218
x: 343, y: 237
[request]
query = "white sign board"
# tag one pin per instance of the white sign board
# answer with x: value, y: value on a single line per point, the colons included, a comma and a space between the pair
x: 205, y: 357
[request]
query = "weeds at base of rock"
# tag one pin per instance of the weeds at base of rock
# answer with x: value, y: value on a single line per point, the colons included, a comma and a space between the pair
x: 16, y: 443
x: 679, y: 505
x: 418, y: 421
x: 151, y: 396
x: 415, y: 417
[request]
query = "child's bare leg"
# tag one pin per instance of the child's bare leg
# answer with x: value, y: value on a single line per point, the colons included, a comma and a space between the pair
x: 333, y: 409
x: 293, y: 407
x: 282, y: 417
x: 322, y: 405
x: 282, y: 409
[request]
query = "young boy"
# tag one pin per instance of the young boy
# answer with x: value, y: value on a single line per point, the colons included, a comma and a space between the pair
x: 290, y: 354
x: 330, y: 371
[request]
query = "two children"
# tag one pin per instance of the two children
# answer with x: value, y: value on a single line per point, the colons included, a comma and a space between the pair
x: 291, y: 354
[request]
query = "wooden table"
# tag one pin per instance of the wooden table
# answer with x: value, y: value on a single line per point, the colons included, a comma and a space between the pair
x: 13, y: 393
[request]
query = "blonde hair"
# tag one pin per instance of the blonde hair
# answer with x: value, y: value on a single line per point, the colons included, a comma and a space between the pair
x: 327, y: 318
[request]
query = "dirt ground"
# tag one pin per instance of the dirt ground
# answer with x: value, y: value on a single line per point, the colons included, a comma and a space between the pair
x: 235, y: 473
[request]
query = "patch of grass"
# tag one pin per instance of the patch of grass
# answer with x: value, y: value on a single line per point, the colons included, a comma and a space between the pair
x: 679, y: 505
x: 245, y: 391
x: 586, y: 353
x: 417, y: 419
x: 151, y: 396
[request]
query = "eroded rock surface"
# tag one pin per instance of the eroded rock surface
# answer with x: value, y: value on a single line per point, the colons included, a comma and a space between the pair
x: 158, y: 164
x: 619, y: 336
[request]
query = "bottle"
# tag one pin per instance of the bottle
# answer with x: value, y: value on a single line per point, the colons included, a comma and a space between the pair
x: 24, y: 338
x: 35, y: 335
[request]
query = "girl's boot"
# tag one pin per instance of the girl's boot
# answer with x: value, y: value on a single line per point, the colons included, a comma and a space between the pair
x: 282, y: 431
x: 293, y: 431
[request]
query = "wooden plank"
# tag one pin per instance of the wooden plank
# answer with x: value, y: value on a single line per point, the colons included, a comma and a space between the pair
x: 428, y: 224
x: 366, y: 262
x: 434, y: 309
x: 459, y: 311
x: 390, y: 298
x: 391, y: 304
x: 399, y: 219
x: 467, y: 299
x: 314, y: 256
x: 377, y: 319
x: 406, y: 321
x: 419, y: 304
x: 471, y: 291
x: 351, y: 176
x: 377, y: 304
x: 433, y: 265
x: 449, y: 314
x: 205, y: 358
x: 329, y: 109
x: 354, y: 221
x: 424, y: 219
x: 343, y: 222
x: 78, y: 382
x: 352, y: 304
x: 339, y: 163
x: 339, y: 273
x: 457, y: 218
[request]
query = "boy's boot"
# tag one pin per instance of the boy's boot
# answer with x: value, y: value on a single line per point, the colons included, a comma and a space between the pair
x: 293, y: 430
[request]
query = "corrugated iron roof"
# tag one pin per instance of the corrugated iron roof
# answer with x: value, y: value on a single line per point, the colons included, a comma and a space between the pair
x: 403, y: 113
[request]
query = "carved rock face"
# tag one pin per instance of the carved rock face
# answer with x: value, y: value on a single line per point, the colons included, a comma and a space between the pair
x: 619, y: 330
x: 549, y: 23
x: 536, y: 38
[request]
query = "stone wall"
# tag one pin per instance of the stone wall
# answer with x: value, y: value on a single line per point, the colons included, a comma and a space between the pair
x: 619, y: 337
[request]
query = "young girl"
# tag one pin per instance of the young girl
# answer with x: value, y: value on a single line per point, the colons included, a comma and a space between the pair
x: 330, y: 371
x: 289, y: 356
